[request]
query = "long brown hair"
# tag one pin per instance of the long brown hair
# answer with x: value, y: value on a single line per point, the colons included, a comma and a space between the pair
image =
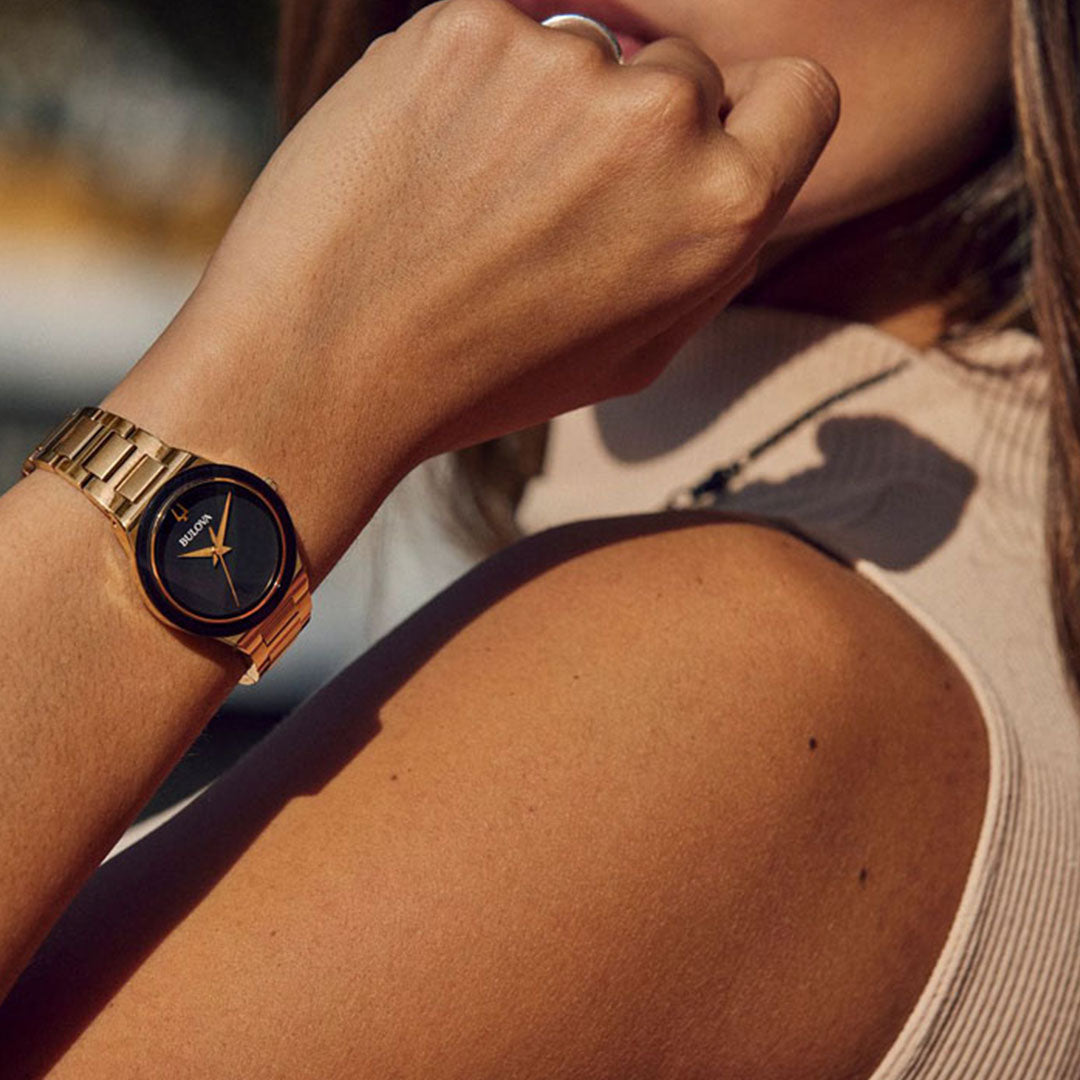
x: 1005, y: 244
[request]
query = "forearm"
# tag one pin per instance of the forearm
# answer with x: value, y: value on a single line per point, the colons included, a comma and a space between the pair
x: 99, y: 701
x: 99, y: 698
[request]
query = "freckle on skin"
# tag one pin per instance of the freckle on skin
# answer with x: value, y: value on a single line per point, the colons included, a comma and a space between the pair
x: 393, y: 776
x: 863, y: 875
x: 948, y: 684
x: 813, y: 743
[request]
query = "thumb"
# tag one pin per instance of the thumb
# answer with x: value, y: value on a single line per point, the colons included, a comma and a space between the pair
x: 783, y: 111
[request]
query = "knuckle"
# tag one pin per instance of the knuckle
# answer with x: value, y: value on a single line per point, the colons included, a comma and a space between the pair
x: 379, y: 44
x: 670, y: 97
x: 471, y: 25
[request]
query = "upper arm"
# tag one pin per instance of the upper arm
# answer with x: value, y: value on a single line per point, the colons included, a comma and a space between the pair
x: 565, y: 821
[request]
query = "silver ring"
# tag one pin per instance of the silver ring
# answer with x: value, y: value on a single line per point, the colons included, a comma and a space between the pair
x: 593, y: 28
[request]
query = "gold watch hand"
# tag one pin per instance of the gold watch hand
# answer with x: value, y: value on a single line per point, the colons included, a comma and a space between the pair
x: 220, y: 538
x: 219, y: 541
x: 204, y: 553
x: 228, y: 578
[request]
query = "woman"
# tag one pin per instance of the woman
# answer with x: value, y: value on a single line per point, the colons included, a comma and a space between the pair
x: 661, y: 795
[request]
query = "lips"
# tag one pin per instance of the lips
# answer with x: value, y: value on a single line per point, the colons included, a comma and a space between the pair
x: 632, y: 30
x: 628, y: 44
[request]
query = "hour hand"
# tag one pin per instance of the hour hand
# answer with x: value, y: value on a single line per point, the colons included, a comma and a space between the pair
x: 202, y: 553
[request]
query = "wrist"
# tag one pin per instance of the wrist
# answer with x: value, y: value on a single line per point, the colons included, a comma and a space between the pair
x: 333, y: 446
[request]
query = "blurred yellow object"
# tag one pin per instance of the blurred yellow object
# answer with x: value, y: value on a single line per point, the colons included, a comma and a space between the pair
x: 55, y: 197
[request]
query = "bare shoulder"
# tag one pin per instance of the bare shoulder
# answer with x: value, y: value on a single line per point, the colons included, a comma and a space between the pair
x: 646, y: 797
x: 845, y: 754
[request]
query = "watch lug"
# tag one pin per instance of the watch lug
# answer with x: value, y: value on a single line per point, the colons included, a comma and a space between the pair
x: 125, y: 536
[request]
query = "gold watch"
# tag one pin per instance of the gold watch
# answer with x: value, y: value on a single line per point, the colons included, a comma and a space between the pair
x: 212, y: 547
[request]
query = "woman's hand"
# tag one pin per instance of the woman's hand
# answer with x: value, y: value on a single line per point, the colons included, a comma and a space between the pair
x: 486, y: 222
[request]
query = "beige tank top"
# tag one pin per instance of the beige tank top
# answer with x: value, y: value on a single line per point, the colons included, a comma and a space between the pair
x: 931, y: 483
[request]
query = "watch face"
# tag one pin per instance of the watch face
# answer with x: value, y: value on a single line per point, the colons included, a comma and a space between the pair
x: 215, y: 550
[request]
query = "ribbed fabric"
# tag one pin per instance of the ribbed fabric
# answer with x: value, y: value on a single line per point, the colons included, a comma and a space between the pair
x: 931, y: 483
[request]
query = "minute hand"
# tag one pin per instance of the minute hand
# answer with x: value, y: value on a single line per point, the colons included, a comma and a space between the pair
x: 219, y: 539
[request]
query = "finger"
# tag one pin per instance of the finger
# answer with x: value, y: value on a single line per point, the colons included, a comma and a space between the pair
x: 681, y: 54
x: 783, y: 112
x: 588, y: 29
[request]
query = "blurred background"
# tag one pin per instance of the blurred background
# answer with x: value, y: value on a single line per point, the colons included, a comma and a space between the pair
x: 130, y: 130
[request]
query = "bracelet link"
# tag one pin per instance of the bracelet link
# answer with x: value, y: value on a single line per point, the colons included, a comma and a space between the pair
x: 118, y: 465
x: 267, y: 642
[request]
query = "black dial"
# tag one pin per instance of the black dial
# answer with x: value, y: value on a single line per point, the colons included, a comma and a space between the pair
x: 215, y: 550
